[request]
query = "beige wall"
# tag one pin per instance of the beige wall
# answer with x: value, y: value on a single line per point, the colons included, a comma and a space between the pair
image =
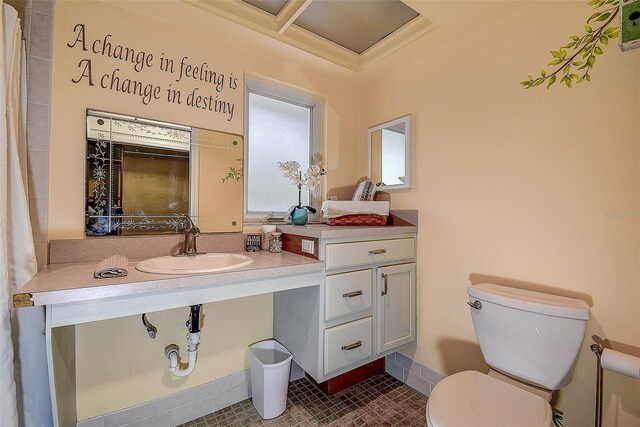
x: 117, y: 364
x: 519, y: 184
x: 174, y: 30
x: 526, y: 185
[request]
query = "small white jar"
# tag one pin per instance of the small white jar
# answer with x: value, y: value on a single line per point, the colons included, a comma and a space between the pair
x: 266, y: 236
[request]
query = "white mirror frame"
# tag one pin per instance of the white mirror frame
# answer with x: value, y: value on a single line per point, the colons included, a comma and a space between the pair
x: 407, y: 147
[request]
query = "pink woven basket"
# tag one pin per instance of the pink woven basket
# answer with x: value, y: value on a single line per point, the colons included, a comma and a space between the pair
x: 359, y: 220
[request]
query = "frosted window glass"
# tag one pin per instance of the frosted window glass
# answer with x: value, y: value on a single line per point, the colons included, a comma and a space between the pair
x: 278, y: 131
x: 393, y: 146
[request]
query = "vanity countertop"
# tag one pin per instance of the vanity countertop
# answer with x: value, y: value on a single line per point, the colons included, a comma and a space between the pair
x: 74, y: 282
x: 324, y: 231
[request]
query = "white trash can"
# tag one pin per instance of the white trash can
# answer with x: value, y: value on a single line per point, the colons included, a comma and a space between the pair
x: 270, y: 365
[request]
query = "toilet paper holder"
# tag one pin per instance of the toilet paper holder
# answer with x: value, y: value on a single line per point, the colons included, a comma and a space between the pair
x: 614, y: 361
x: 597, y: 350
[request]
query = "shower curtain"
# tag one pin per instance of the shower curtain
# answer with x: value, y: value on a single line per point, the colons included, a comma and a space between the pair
x: 28, y: 376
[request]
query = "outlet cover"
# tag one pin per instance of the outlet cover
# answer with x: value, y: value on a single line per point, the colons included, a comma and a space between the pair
x: 307, y: 246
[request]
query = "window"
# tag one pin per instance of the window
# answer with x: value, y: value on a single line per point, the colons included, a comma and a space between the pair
x: 281, y: 125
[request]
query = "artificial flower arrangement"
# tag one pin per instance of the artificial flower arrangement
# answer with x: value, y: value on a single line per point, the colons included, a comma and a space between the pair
x: 311, y: 179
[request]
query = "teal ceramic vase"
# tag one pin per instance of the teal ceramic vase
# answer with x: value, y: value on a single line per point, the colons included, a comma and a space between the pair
x: 299, y: 215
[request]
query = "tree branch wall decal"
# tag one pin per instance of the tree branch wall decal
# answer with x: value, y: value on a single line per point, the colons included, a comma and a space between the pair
x: 574, y: 67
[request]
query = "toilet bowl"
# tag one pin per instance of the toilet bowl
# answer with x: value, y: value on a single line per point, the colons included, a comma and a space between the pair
x: 473, y: 399
x: 531, y: 341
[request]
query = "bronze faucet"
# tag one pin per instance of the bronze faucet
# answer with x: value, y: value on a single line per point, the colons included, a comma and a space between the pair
x: 190, y: 233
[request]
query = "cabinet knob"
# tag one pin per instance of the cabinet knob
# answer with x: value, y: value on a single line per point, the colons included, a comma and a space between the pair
x: 352, y: 346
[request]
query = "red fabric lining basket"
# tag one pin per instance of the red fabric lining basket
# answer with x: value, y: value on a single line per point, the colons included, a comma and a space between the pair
x: 359, y: 220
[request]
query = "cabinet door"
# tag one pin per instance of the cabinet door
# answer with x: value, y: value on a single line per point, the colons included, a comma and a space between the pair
x: 396, y: 316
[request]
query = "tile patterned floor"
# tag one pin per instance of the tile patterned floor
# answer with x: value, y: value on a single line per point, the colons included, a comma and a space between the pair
x: 380, y: 401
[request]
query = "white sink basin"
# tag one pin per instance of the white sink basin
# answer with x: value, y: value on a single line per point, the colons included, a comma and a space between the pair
x: 205, y: 263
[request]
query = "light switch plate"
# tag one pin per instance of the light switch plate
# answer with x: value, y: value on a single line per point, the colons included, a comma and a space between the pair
x: 307, y: 246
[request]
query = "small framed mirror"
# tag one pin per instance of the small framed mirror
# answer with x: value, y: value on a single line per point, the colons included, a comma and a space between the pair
x: 389, y: 164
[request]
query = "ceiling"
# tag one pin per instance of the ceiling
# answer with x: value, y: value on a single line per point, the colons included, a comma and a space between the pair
x: 353, y: 34
x: 450, y: 22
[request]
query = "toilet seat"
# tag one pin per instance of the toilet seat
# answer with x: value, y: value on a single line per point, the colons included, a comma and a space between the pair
x: 473, y: 399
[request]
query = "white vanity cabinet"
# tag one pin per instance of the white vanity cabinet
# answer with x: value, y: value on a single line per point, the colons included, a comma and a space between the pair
x: 332, y: 315
x: 363, y: 310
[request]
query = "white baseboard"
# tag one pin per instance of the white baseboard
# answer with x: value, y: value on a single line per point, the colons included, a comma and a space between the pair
x: 186, y: 405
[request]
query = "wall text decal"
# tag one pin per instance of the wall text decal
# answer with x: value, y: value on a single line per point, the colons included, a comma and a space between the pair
x: 209, y: 94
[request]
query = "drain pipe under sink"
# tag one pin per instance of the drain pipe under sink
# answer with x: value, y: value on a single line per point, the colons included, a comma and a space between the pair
x: 172, y: 351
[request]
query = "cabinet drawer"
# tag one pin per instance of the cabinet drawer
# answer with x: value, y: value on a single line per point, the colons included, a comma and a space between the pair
x: 347, y: 344
x: 347, y: 293
x: 338, y: 255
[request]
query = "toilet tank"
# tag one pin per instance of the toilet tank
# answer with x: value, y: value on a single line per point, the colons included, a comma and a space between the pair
x: 529, y: 335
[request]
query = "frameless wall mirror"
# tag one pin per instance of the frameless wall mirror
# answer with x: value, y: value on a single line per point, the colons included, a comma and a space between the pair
x: 390, y: 154
x: 143, y: 176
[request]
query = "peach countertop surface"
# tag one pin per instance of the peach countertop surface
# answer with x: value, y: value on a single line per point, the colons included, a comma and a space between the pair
x: 73, y: 282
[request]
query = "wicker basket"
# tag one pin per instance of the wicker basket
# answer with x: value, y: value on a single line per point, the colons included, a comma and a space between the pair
x: 359, y: 220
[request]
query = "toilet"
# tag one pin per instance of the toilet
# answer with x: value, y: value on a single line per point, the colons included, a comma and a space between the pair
x: 530, y: 340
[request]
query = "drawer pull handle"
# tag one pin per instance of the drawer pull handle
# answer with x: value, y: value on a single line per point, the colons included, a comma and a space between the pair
x: 378, y: 252
x: 385, y: 283
x: 352, y: 294
x: 352, y: 346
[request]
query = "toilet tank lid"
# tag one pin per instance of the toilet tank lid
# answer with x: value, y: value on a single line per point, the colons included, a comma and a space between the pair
x: 535, y: 302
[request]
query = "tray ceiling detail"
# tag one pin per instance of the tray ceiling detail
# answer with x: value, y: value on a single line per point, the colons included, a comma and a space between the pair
x: 353, y: 34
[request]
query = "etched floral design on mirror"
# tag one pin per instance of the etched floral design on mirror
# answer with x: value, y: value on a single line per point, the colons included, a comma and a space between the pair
x: 143, y: 176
